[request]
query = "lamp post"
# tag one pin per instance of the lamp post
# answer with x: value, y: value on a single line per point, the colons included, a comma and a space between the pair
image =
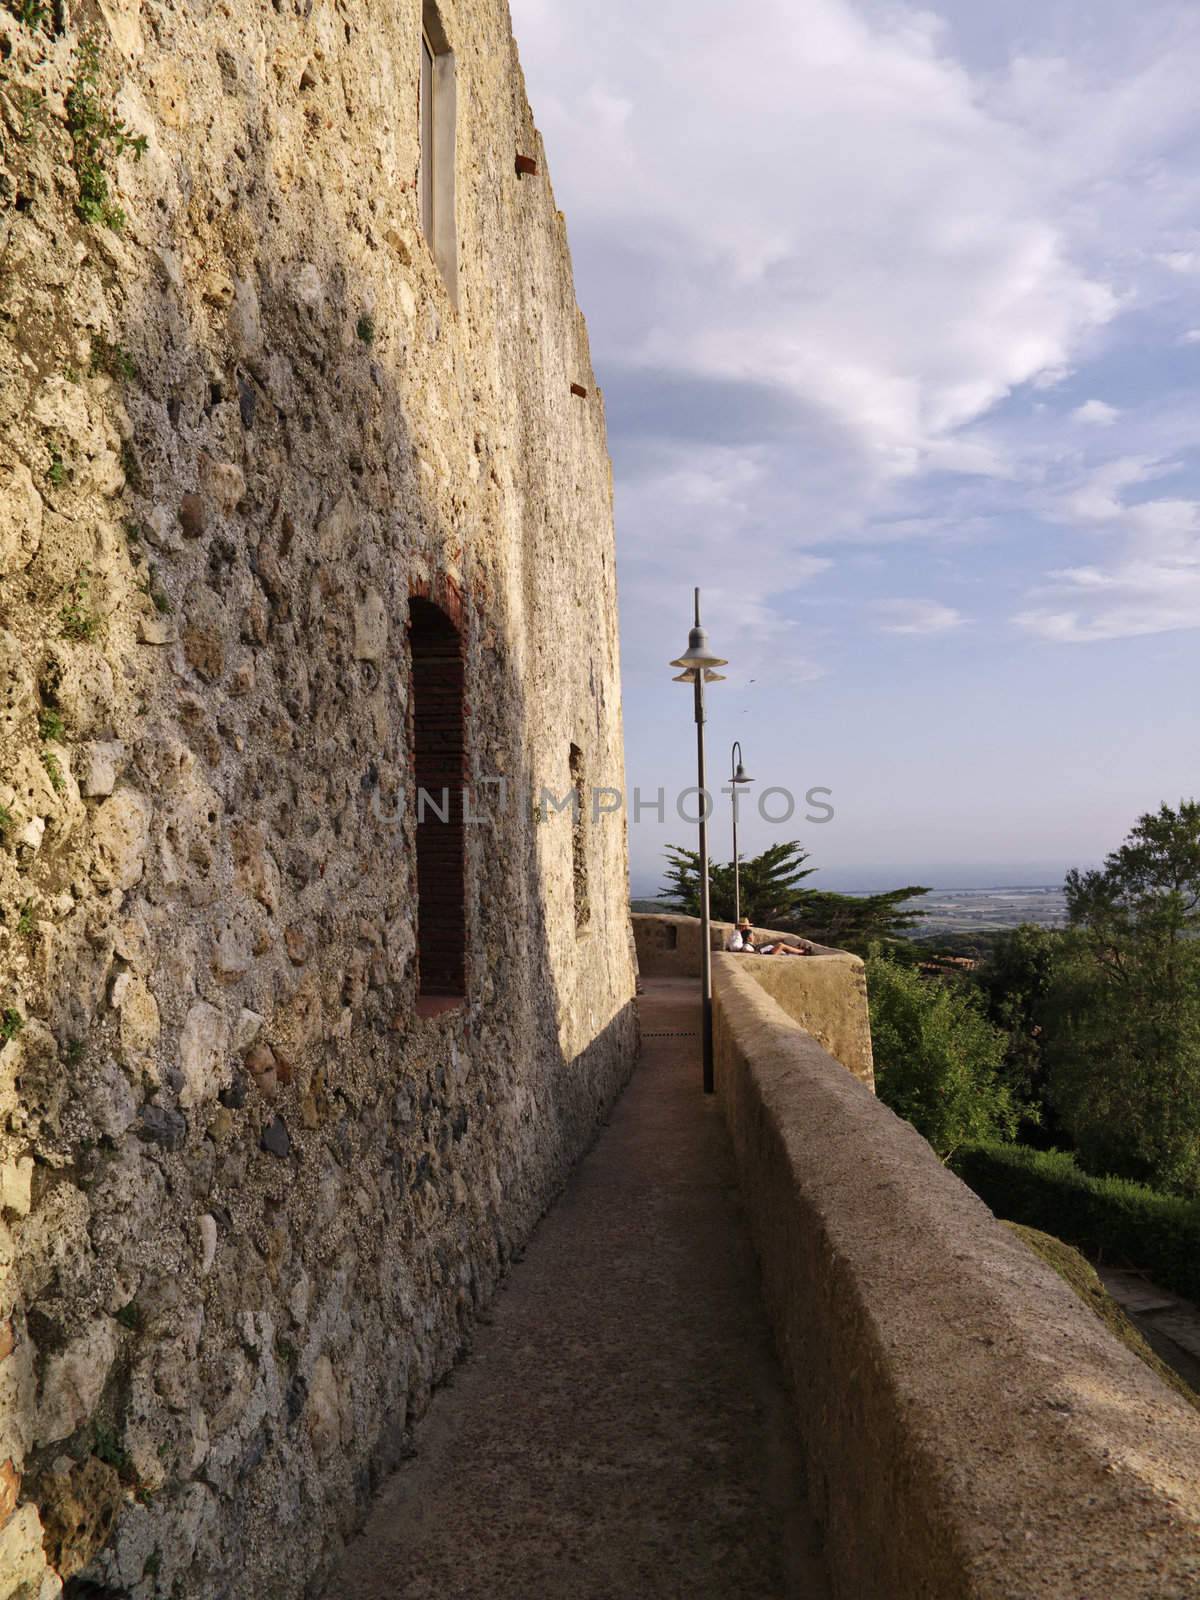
x: 737, y: 775
x: 697, y: 663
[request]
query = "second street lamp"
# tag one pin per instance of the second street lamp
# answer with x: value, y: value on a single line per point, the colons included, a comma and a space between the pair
x: 737, y: 776
x: 697, y: 663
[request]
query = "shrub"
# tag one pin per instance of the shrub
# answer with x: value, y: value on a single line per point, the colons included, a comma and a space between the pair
x: 937, y: 1058
x: 1112, y: 1218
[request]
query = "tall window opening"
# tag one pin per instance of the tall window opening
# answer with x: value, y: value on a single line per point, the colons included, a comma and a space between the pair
x: 439, y: 770
x: 438, y: 117
x: 579, y: 842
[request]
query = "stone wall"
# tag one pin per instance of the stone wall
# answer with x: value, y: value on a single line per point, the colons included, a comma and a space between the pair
x: 252, y: 1199
x: 972, y: 1430
x: 826, y: 992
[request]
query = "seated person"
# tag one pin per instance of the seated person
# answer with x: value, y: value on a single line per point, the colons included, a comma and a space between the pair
x: 741, y: 939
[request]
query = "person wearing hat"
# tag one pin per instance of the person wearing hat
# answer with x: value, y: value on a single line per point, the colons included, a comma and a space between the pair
x: 741, y: 939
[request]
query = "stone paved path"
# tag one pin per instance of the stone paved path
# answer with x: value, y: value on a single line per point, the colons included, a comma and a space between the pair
x: 620, y: 1431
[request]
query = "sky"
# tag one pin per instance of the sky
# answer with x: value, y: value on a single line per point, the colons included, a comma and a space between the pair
x: 896, y: 311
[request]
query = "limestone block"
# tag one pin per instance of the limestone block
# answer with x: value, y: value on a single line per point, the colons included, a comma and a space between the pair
x: 16, y: 685
x: 16, y: 1179
x: 80, y: 1506
x: 99, y: 766
x: 224, y: 483
x: 109, y: 1099
x: 370, y: 628
x: 203, y: 1049
x: 78, y: 679
x: 23, y: 1560
x: 139, y: 1017
x: 20, y: 518
x: 324, y: 1411
x: 208, y: 1243
x: 307, y: 286
x: 248, y: 1025
x: 120, y: 839
x: 74, y: 1381
x: 245, y: 321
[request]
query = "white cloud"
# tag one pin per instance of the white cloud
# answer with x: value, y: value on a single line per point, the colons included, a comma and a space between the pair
x: 891, y: 243
x: 916, y: 617
x: 1185, y: 262
x: 1097, y: 412
x: 1192, y: 336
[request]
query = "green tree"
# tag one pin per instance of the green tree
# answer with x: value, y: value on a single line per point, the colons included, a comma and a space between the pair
x: 1016, y: 979
x: 770, y: 884
x: 1123, y: 1017
x: 938, y: 1060
x: 858, y: 922
x: 773, y: 897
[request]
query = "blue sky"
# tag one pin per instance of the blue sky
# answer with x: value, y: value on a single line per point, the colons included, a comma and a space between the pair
x: 897, y: 314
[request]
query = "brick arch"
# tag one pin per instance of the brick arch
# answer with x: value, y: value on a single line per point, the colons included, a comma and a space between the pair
x: 439, y: 768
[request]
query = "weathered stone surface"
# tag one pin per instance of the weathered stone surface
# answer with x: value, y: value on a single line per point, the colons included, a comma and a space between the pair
x: 100, y: 768
x: 16, y: 1179
x: 120, y: 839
x: 248, y: 498
x: 275, y: 1138
x: 74, y: 1381
x: 20, y: 518
x: 79, y: 1511
x: 203, y: 1049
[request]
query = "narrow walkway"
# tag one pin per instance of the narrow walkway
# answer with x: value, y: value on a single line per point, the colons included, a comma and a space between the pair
x: 621, y: 1431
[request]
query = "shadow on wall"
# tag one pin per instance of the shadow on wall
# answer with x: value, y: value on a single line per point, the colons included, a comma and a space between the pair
x: 266, y: 1199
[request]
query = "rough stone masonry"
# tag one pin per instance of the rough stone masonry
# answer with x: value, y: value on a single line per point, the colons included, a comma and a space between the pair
x: 254, y: 1187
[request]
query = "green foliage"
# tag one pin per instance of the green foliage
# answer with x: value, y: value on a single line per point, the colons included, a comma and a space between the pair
x: 51, y: 726
x: 11, y: 1023
x: 770, y: 892
x: 937, y: 1058
x: 365, y: 328
x: 113, y: 359
x: 25, y: 920
x: 97, y: 138
x: 129, y: 1316
x: 56, y: 472
x: 1112, y: 1218
x: 857, y: 922
x: 1123, y: 1011
x: 106, y: 1443
x: 6, y: 821
x: 31, y: 108
x: 1016, y: 981
x: 772, y: 897
x: 79, y: 621
x: 131, y: 466
x: 54, y: 772
x: 155, y: 593
x: 73, y: 1052
x: 33, y: 14
x: 133, y: 530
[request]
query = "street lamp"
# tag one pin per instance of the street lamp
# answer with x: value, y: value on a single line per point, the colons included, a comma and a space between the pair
x: 698, y: 663
x: 737, y: 775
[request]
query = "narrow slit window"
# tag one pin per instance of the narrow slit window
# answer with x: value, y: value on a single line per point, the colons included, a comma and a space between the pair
x: 439, y: 774
x: 579, y: 841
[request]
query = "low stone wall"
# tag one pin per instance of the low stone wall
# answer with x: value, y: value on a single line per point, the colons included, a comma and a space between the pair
x: 826, y: 993
x: 972, y: 1431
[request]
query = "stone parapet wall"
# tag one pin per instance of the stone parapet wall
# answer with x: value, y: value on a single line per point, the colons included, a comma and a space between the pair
x: 250, y: 1200
x: 972, y: 1431
x: 825, y: 992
